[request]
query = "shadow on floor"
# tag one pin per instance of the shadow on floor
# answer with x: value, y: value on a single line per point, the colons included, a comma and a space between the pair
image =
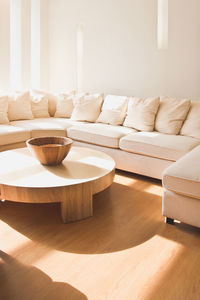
x: 19, y: 281
x: 123, y: 218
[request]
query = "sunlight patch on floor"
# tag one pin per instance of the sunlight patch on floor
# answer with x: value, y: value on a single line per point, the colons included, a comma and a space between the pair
x: 11, y: 240
x: 154, y: 189
x: 136, y: 270
x: 153, y: 271
x: 147, y: 263
x: 56, y: 264
x: 124, y: 180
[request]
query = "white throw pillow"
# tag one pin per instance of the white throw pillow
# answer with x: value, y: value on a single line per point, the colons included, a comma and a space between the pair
x: 141, y: 113
x: 76, y: 97
x: 65, y: 105
x: 19, y: 107
x: 191, y: 126
x: 4, y: 110
x: 171, y: 115
x: 113, y: 110
x: 52, y: 99
x: 87, y: 108
x: 39, y: 106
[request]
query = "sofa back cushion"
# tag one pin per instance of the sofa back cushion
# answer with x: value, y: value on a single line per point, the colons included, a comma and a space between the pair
x: 40, y: 105
x: 113, y: 110
x: 171, y: 115
x: 87, y: 108
x: 19, y: 107
x: 191, y: 126
x: 65, y: 105
x: 141, y: 113
x: 4, y: 110
x: 52, y: 99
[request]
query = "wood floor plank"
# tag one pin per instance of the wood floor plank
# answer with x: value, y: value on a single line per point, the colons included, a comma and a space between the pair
x: 125, y: 251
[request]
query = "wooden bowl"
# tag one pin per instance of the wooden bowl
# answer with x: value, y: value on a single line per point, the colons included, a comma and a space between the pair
x: 50, y: 151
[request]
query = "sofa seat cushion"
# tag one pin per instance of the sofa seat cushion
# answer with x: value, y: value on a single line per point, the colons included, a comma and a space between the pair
x: 66, y: 122
x: 99, y: 134
x: 45, y: 126
x: 183, y: 177
x: 159, y: 145
x: 13, y: 134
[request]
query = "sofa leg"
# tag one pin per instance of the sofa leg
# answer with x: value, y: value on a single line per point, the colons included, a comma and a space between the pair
x: 169, y: 221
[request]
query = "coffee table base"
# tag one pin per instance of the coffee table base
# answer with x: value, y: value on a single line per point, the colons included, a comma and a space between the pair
x: 77, y: 203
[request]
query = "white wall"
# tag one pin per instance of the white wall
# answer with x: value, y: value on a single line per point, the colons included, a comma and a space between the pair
x: 120, y: 50
x: 4, y: 45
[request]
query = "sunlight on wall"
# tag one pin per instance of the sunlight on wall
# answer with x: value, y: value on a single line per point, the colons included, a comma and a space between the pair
x: 162, y: 24
x: 35, y: 44
x: 79, y: 41
x: 28, y: 44
x: 15, y: 45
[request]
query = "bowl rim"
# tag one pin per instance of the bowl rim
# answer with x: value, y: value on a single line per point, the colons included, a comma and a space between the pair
x: 68, y: 140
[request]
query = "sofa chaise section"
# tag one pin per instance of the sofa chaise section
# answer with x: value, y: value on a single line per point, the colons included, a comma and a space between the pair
x: 181, y: 199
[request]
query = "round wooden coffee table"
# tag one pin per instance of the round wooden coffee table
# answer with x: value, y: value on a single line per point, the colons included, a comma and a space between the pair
x: 83, y: 173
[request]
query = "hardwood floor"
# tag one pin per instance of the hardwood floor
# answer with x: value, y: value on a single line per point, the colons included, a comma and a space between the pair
x: 125, y: 251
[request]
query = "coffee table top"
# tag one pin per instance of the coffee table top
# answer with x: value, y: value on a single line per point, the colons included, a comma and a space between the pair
x: 21, y: 169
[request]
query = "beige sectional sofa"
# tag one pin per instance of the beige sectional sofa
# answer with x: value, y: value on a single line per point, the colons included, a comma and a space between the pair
x: 159, y: 142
